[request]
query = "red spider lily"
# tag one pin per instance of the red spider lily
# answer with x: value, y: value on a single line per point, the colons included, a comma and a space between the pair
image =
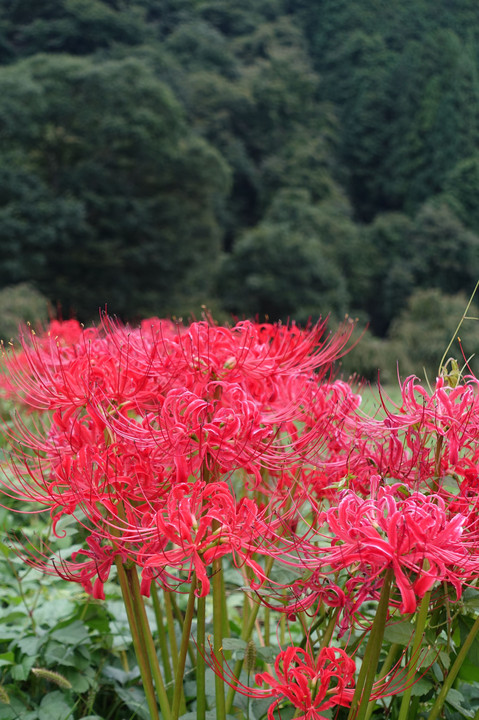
x: 404, y: 444
x: 101, y: 558
x: 226, y: 429
x: 413, y: 534
x: 140, y: 417
x: 310, y: 685
x: 96, y: 568
x: 199, y: 523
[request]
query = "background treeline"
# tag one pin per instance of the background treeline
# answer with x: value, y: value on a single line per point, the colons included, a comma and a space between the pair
x: 273, y: 157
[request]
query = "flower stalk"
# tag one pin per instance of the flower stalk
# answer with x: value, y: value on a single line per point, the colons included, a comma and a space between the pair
x: 365, y: 681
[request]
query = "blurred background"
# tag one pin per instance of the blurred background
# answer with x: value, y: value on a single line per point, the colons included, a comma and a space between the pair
x: 280, y: 158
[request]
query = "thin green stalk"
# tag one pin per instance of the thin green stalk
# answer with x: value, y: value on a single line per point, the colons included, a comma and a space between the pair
x: 179, y: 703
x: 144, y: 628
x: 200, y: 660
x: 452, y: 674
x: 418, y: 636
x: 171, y: 630
x: 282, y: 627
x: 224, y: 614
x: 165, y: 655
x: 246, y: 633
x: 218, y: 638
x: 181, y: 619
x: 267, y: 626
x: 464, y: 317
x: 328, y: 633
x: 387, y: 665
x: 369, y: 664
x: 138, y: 642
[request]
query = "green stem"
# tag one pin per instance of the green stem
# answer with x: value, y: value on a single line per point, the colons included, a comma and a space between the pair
x: 458, y: 327
x: 245, y: 635
x: 452, y: 674
x: 218, y: 638
x: 138, y: 641
x: 418, y: 636
x: 181, y: 619
x: 387, y: 665
x: 178, y: 697
x: 369, y: 664
x: 267, y: 626
x: 144, y: 629
x: 224, y: 614
x: 328, y: 633
x: 171, y: 630
x: 165, y: 655
x: 200, y: 660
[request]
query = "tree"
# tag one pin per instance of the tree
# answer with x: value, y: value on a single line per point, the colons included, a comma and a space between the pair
x: 282, y: 269
x: 108, y: 144
x: 462, y: 185
x: 422, y: 332
x: 78, y: 27
x: 387, y: 273
x: 445, y: 254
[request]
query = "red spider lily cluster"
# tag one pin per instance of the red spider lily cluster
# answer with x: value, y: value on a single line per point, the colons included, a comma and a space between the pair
x: 175, y: 446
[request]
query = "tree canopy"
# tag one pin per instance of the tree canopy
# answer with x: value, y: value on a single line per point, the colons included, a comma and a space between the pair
x: 278, y: 158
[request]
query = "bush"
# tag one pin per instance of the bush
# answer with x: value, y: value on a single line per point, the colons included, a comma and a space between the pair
x: 20, y: 304
x: 424, y: 329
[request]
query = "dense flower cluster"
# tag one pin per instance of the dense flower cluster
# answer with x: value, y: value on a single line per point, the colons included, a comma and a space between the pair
x: 175, y: 446
x: 144, y: 428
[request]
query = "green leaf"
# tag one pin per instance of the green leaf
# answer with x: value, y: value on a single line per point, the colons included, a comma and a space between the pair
x: 470, y: 599
x: 16, y: 710
x: 457, y: 700
x: 54, y: 707
x: 70, y: 633
x: 118, y: 674
x: 64, y: 655
x: 30, y: 645
x: 135, y: 699
x: 465, y: 624
x: 21, y: 671
x: 400, y: 633
x: 7, y: 658
x: 233, y: 644
x: 469, y: 671
x: 268, y: 653
x: 210, y: 715
x: 421, y: 687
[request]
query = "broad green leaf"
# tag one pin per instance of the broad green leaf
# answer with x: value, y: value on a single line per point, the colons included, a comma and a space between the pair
x: 71, y: 634
x: 400, y: 633
x: 233, y: 644
x: 268, y: 653
x: 457, y: 700
x: 7, y: 658
x: 54, y: 707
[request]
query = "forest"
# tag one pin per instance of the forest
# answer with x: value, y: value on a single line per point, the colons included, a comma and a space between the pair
x: 269, y: 158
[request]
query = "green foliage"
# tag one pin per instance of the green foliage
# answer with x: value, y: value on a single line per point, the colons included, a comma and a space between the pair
x: 78, y: 27
x: 403, y: 76
x: 424, y: 328
x: 20, y: 304
x: 107, y: 178
x: 142, y: 142
x: 283, y: 268
x: 444, y: 253
x: 462, y: 185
